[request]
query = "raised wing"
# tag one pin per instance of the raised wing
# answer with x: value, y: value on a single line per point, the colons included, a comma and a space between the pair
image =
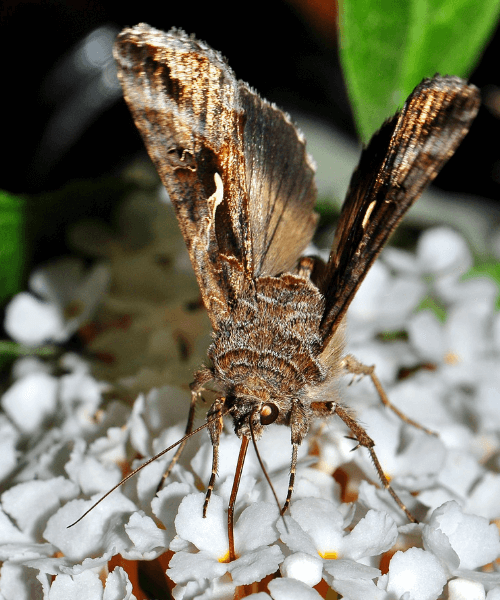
x: 184, y: 102
x: 280, y: 183
x: 400, y: 160
x: 234, y: 166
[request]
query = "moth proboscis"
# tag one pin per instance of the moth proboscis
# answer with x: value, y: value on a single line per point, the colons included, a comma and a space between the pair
x: 242, y: 185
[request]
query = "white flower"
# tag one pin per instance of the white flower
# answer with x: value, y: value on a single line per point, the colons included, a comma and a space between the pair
x: 66, y: 296
x: 461, y: 541
x: 88, y: 586
x: 417, y: 573
x: 317, y: 527
x: 206, y: 554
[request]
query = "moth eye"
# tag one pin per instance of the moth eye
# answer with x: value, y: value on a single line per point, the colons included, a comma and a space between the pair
x: 268, y: 414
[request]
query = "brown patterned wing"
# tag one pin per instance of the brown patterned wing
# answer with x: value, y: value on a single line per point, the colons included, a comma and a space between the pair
x: 400, y: 160
x: 234, y: 166
x: 184, y: 100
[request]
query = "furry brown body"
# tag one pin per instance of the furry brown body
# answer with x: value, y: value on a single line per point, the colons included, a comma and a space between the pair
x: 269, y: 352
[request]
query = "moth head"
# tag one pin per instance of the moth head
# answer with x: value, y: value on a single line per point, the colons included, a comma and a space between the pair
x: 253, y: 414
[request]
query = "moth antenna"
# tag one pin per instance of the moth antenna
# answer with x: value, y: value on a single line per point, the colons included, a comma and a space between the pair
x: 266, y: 475
x: 261, y: 463
x: 148, y: 462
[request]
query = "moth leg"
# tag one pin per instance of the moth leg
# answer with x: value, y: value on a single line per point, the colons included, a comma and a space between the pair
x: 215, y: 429
x: 291, y: 480
x: 299, y: 424
x: 202, y: 377
x: 365, y: 440
x: 195, y: 395
x: 352, y: 365
x: 311, y: 267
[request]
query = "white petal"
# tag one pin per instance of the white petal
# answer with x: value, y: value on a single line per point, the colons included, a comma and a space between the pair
x: 443, y: 250
x: 291, y: 589
x: 31, y: 504
x: 303, y: 567
x: 427, y: 335
x: 30, y: 553
x: 80, y: 391
x: 359, y: 589
x: 254, y: 566
x: 418, y: 572
x: 322, y: 521
x: 86, y: 586
x: 438, y: 543
x: 400, y: 260
x: 474, y: 539
x: 9, y: 533
x: 466, y: 329
x: 256, y: 527
x: 9, y: 437
x: 483, y: 501
x: 228, y: 452
x: 209, y: 534
x: 463, y: 589
x: 374, y: 534
x: 166, y: 505
x: 496, y: 330
x: 350, y: 569
x: 295, y: 537
x: 149, y: 540
x: 31, y: 321
x: 421, y: 461
x: 99, y: 532
x: 185, y: 567
x: 459, y: 472
x: 493, y: 594
x: 31, y: 400
x: 488, y: 401
x: 366, y: 302
x: 92, y: 475
x: 118, y: 586
x: 375, y: 498
x: 18, y: 582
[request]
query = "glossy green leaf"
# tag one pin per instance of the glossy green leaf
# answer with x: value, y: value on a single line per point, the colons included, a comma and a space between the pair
x: 389, y: 46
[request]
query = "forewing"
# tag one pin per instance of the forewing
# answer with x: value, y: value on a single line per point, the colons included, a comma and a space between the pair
x: 400, y: 160
x: 234, y: 166
x: 184, y: 100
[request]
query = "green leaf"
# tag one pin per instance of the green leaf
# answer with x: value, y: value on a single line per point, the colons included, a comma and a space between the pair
x: 389, y: 46
x: 12, y: 244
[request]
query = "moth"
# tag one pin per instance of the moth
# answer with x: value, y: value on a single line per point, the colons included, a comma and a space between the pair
x: 242, y: 185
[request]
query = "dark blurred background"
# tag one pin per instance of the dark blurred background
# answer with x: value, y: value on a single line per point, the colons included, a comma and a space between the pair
x: 64, y: 119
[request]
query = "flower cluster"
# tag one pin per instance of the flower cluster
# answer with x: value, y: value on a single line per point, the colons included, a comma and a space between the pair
x: 65, y: 442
